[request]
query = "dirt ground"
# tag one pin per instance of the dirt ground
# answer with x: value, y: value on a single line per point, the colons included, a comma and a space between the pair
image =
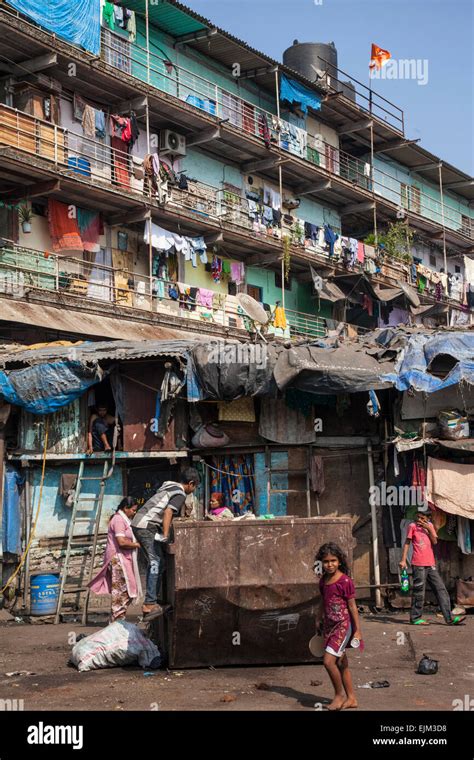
x: 44, y: 651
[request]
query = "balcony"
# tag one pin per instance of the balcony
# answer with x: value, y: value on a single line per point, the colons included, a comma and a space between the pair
x: 25, y: 271
x: 264, y: 125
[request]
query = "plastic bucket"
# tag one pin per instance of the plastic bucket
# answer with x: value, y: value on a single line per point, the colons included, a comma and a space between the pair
x: 44, y: 594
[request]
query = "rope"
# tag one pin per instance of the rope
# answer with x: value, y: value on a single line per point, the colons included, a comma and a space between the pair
x: 33, y: 529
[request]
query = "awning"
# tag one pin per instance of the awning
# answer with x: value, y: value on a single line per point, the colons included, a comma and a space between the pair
x: 83, y: 324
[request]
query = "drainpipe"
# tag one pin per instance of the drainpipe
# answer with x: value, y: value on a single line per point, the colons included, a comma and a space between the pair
x: 375, y: 539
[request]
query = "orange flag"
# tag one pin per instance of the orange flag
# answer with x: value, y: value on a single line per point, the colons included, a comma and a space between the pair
x: 378, y: 57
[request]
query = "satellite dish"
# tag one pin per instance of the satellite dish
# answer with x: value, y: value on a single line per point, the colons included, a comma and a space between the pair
x: 410, y: 293
x: 253, y: 308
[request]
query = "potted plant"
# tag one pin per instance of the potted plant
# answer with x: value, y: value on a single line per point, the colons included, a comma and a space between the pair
x: 25, y: 216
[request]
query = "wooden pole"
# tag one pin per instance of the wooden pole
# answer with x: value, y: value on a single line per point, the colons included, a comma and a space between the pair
x: 280, y: 188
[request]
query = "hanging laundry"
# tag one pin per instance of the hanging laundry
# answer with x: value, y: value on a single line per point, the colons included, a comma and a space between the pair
x: 226, y: 267
x: 205, y: 297
x: 330, y: 238
x: 118, y: 15
x: 264, y: 130
x: 100, y: 278
x: 267, y: 215
x: 160, y: 238
x: 464, y: 535
x: 279, y: 320
x: 88, y: 121
x: 120, y: 161
x: 78, y: 105
x: 237, y: 272
x: 360, y: 252
x: 253, y: 208
x: 216, y: 269
x: 132, y: 27
x: 134, y: 130
x: 63, y: 227
x: 90, y: 228
x: 108, y: 15
x: 99, y: 124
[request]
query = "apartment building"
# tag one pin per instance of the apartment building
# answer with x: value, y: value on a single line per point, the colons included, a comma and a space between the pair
x: 244, y: 189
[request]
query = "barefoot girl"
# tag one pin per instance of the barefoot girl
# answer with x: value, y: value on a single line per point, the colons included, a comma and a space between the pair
x: 338, y: 613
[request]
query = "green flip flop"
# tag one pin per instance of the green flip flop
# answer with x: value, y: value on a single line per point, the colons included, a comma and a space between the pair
x: 420, y: 621
x: 457, y: 620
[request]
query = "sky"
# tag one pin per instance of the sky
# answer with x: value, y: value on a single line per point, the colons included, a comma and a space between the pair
x: 440, y: 113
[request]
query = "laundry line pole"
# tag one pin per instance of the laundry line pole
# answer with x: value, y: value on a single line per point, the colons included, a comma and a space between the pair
x: 280, y: 187
x: 375, y: 538
x: 445, y: 258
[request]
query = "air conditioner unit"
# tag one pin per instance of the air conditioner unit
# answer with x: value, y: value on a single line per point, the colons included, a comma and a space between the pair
x: 172, y: 142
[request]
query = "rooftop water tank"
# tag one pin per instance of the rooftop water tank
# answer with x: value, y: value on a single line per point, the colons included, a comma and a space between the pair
x: 308, y: 57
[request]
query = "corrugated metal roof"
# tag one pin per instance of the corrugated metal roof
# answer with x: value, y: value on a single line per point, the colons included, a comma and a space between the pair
x: 113, y: 349
x: 172, y: 19
x: 81, y: 323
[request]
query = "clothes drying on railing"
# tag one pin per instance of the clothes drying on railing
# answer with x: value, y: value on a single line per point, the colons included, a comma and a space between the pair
x: 114, y: 16
x: 90, y: 228
x: 63, y: 227
x: 170, y: 242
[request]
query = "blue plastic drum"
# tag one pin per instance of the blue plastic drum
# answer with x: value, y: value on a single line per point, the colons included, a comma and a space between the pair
x: 44, y: 594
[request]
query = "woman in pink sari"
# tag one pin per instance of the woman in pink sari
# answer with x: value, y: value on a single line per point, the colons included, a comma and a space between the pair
x: 119, y: 575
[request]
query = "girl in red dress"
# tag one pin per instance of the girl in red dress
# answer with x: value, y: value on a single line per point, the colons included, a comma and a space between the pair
x: 340, y: 622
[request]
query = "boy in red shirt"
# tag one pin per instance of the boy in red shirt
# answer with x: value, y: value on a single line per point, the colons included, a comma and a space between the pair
x: 422, y: 535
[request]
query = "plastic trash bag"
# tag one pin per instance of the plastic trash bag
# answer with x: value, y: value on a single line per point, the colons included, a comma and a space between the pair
x: 427, y: 666
x: 118, y: 644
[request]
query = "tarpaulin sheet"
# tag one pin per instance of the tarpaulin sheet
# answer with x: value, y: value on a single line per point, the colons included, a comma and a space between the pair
x: 45, y: 388
x: 294, y: 92
x: 412, y: 368
x: 11, y: 518
x: 76, y: 21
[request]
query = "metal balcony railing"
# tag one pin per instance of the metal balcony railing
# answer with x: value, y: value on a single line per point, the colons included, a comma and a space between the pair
x: 254, y: 120
x: 84, y: 157
x: 24, y: 269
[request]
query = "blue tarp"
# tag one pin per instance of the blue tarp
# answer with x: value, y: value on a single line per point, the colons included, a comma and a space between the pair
x: 412, y: 369
x: 44, y: 388
x: 76, y: 21
x: 294, y: 92
x: 11, y: 520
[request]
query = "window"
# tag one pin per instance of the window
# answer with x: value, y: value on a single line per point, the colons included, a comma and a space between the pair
x: 466, y: 226
x: 404, y: 195
x: 255, y: 292
x: 278, y: 281
x: 415, y: 199
x: 457, y: 269
x: 117, y: 51
x: 432, y: 260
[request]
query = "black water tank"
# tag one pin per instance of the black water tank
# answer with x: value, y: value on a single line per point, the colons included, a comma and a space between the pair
x: 306, y: 57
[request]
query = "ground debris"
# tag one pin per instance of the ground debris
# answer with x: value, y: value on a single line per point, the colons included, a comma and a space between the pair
x: 228, y: 698
x: 262, y: 686
x: 316, y: 683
